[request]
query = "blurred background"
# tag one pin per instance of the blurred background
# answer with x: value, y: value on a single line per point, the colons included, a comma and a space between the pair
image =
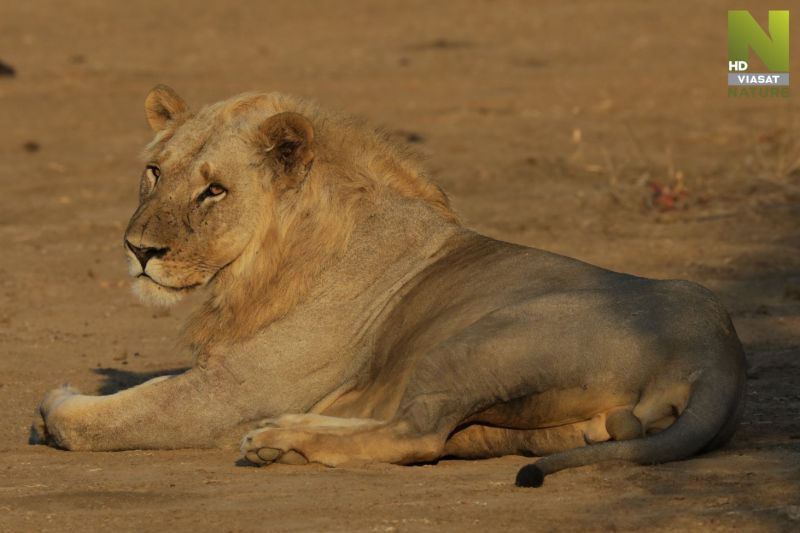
x: 600, y: 130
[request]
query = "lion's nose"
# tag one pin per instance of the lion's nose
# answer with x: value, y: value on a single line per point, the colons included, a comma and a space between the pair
x: 145, y: 254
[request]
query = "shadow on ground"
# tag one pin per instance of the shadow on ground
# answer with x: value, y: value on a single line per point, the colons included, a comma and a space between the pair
x: 116, y: 380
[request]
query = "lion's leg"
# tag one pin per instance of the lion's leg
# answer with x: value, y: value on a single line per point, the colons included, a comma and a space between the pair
x: 189, y: 410
x: 478, y: 441
x: 335, y: 441
x: 439, y: 390
x: 297, y: 439
x: 429, y: 411
x: 487, y: 368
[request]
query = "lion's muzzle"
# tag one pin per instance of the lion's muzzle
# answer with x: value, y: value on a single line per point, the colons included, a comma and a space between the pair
x: 145, y: 254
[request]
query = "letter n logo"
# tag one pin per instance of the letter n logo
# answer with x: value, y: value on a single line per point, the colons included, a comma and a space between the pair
x: 744, y: 33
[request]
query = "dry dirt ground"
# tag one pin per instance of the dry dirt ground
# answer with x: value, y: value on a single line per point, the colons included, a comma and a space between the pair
x: 571, y: 126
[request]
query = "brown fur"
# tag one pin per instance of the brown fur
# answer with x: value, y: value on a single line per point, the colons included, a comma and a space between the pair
x: 304, y: 229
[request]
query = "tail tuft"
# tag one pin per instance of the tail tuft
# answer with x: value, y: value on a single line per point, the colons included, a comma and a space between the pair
x: 530, y: 476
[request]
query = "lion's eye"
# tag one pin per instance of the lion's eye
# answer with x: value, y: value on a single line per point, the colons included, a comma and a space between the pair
x: 153, y: 173
x: 215, y: 190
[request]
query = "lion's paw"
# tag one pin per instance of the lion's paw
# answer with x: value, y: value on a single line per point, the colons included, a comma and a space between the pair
x: 39, y: 433
x: 265, y: 446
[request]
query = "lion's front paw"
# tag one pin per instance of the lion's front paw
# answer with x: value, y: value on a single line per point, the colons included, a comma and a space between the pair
x: 269, y: 445
x: 40, y: 433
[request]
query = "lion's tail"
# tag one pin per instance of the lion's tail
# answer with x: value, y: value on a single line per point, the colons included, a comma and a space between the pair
x: 708, y: 421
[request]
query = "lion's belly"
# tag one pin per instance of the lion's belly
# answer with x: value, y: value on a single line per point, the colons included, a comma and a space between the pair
x: 553, y: 408
x: 478, y: 441
x: 555, y: 421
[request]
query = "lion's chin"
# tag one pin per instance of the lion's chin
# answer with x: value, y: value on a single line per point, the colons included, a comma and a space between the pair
x: 151, y: 293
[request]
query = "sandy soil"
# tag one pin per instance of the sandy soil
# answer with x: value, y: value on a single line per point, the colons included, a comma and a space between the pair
x: 556, y: 125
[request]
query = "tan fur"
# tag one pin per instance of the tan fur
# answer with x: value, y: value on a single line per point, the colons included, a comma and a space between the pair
x: 340, y: 286
x: 301, y: 232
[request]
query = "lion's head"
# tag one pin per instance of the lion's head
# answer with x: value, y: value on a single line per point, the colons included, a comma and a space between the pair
x: 207, y: 190
x: 253, y: 193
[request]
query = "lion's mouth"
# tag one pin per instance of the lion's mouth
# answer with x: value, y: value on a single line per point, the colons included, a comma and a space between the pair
x: 169, y: 287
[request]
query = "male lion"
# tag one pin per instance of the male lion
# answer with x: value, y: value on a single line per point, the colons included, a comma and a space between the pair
x: 340, y: 286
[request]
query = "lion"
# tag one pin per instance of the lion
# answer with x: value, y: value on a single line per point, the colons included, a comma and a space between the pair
x: 347, y: 308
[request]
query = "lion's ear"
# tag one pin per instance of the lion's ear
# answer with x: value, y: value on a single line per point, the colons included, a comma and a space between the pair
x: 288, y: 139
x: 163, y: 105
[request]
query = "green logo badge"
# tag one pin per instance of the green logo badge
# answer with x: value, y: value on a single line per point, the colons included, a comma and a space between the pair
x: 771, y: 47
